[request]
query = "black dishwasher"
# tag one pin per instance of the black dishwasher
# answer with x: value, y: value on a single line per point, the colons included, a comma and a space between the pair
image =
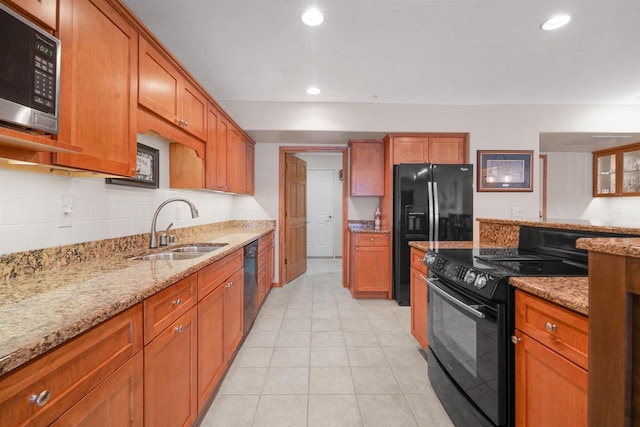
x: 250, y: 285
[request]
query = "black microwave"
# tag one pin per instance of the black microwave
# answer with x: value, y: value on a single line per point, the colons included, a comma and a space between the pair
x: 29, y: 75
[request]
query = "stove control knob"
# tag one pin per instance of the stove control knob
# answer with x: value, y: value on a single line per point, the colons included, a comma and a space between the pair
x: 481, y: 282
x: 429, y: 259
x: 470, y: 277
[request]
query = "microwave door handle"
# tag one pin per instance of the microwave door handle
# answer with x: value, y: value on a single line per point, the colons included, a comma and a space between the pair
x: 473, y: 310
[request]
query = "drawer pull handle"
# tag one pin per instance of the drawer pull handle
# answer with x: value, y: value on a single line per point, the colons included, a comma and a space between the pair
x: 230, y: 284
x: 515, y: 339
x: 40, y: 399
x: 373, y: 239
x: 179, y: 329
x: 177, y: 302
x: 550, y: 327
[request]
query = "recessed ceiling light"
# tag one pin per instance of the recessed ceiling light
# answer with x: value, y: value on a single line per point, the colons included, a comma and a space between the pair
x: 313, y: 91
x: 555, y: 22
x: 312, y: 17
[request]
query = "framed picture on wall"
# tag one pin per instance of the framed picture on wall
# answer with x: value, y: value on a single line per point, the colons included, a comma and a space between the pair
x: 505, y: 170
x: 148, y: 167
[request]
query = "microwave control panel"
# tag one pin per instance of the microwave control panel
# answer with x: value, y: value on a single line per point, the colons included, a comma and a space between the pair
x: 44, y: 74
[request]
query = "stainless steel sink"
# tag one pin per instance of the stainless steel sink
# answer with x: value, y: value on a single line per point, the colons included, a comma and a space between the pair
x: 167, y: 256
x: 185, y: 252
x: 204, y: 248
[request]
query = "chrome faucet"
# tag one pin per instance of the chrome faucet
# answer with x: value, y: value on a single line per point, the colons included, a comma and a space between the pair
x: 194, y: 214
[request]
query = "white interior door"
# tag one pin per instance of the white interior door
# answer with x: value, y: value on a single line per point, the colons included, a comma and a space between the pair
x: 320, y: 212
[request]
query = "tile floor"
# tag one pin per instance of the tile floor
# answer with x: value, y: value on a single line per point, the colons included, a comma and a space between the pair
x: 316, y: 357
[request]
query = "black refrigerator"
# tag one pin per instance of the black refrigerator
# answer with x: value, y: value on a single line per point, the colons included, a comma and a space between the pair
x: 430, y: 202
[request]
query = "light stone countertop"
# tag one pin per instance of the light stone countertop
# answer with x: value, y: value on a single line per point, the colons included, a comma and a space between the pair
x: 41, y: 311
x: 617, y: 227
x: 568, y: 292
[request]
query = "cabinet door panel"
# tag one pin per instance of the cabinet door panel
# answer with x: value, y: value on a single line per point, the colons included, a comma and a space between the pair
x: 159, y: 88
x: 211, y: 350
x: 44, y: 10
x: 367, y: 169
x: 234, y: 312
x: 194, y: 112
x: 98, y: 88
x: 116, y: 402
x: 170, y: 374
x: 251, y: 159
x: 446, y: 150
x: 372, y: 269
x: 550, y: 390
x: 419, y: 307
x: 409, y: 150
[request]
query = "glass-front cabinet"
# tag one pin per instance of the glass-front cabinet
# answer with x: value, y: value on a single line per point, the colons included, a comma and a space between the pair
x: 616, y: 172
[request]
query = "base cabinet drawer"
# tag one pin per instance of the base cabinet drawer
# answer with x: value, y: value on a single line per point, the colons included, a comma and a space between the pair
x: 41, y: 391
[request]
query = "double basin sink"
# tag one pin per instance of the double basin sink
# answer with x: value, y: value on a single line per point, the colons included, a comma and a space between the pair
x: 181, y: 253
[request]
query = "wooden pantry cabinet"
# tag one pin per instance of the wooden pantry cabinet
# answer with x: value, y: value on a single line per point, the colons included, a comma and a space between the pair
x: 551, y: 354
x: 89, y: 373
x: 369, y: 269
x: 366, y: 167
x: 616, y: 172
x: 98, y: 87
x: 418, y: 289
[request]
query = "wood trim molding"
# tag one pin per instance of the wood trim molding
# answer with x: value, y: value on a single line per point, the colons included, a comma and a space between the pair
x: 281, y: 189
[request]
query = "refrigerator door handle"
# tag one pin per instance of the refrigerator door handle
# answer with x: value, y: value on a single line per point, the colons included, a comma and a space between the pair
x: 436, y: 210
x: 430, y: 201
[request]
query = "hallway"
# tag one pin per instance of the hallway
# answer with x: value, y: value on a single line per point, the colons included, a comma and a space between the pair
x: 316, y: 357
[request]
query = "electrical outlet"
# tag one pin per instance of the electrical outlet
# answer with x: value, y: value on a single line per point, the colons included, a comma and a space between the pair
x: 517, y: 212
x: 65, y: 220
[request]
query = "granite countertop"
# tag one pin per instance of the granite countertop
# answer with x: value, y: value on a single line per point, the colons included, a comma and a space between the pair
x: 619, y: 227
x: 41, y: 311
x: 616, y: 246
x: 367, y: 229
x: 568, y: 292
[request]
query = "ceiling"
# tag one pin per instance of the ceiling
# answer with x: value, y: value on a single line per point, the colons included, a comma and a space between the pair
x: 438, y: 52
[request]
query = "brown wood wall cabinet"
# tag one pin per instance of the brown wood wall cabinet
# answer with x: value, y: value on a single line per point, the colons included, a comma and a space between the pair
x: 551, y: 364
x: 418, y: 289
x: 366, y: 167
x: 142, y: 90
x: 426, y: 148
x: 369, y: 271
x: 616, y: 172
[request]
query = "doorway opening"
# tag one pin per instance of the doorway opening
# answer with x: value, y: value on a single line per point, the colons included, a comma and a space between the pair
x: 290, y: 230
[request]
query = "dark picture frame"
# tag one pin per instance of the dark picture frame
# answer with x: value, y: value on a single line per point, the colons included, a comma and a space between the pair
x: 505, y: 170
x: 148, y: 167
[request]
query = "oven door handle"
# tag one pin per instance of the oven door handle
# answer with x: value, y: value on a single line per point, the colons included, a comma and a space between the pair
x: 470, y: 309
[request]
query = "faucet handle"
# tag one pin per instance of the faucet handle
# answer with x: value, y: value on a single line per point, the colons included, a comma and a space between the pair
x: 163, y: 236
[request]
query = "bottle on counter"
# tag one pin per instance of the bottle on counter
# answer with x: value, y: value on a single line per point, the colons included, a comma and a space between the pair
x: 377, y: 218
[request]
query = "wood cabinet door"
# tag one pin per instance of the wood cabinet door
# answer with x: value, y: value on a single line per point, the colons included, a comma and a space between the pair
x: 216, y: 157
x: 235, y: 170
x: 409, y: 149
x: 194, y: 111
x: 367, y: 169
x: 211, y: 350
x: 371, y: 268
x: 98, y: 89
x: 170, y: 374
x: 118, y: 401
x: 251, y: 159
x: 550, y: 390
x: 159, y: 83
x: 43, y: 10
x: 419, y: 306
x: 446, y: 150
x: 234, y: 312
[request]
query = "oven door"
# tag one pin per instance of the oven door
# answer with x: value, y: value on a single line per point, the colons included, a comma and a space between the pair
x: 467, y: 336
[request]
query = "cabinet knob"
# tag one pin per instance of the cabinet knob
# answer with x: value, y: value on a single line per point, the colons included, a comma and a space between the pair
x: 40, y: 399
x: 185, y: 123
x: 373, y: 239
x: 179, y: 329
x: 177, y: 302
x: 515, y: 339
x: 230, y: 284
x: 550, y: 327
